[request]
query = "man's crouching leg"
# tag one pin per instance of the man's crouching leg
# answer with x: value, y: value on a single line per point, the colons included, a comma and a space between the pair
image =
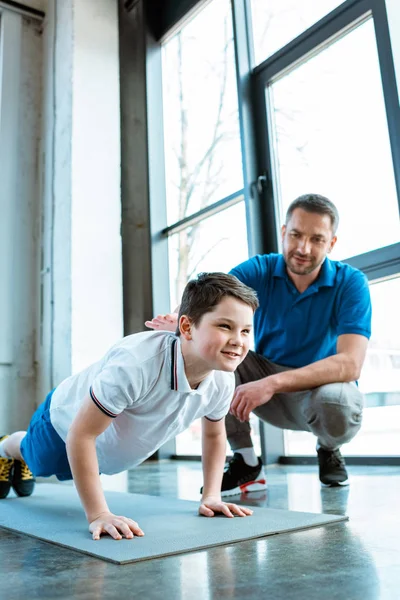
x: 334, y: 415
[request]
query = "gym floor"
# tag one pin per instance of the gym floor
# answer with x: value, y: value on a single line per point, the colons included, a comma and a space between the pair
x: 358, y: 559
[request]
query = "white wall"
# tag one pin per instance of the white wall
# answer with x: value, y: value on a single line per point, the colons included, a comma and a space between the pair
x: 97, y: 318
x: 83, y: 313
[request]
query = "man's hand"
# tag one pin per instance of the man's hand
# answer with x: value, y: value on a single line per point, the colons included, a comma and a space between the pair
x: 167, y: 322
x: 248, y: 396
x: 213, y: 504
x: 116, y: 527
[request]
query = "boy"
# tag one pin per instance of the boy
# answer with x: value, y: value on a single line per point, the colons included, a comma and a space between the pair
x: 148, y: 388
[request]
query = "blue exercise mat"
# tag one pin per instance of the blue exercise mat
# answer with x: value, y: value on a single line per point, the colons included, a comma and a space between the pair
x: 54, y: 514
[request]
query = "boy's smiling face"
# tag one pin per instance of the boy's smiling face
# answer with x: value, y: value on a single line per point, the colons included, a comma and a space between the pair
x: 221, y: 339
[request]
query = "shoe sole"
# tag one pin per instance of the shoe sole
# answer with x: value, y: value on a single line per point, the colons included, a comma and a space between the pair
x: 22, y: 494
x: 336, y: 484
x: 252, y: 486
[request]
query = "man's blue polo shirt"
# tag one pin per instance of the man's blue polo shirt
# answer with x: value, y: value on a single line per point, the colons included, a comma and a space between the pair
x: 295, y: 329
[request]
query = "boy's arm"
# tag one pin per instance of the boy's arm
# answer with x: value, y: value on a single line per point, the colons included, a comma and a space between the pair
x: 88, y: 424
x: 213, y: 458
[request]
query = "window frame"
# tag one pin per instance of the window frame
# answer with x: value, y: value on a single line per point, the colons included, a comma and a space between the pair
x: 382, y: 261
x: 261, y: 213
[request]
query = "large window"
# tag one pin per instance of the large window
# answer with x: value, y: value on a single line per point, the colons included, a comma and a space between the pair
x: 330, y: 134
x: 277, y: 22
x: 202, y: 147
x: 319, y: 112
x: 330, y: 114
x: 204, y: 177
x: 215, y: 243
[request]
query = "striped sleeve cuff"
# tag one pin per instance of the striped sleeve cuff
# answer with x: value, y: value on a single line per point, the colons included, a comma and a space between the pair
x: 100, y: 406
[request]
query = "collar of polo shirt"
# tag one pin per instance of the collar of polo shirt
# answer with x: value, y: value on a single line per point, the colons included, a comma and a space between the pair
x: 179, y: 380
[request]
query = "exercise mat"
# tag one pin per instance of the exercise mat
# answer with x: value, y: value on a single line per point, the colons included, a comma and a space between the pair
x: 54, y: 514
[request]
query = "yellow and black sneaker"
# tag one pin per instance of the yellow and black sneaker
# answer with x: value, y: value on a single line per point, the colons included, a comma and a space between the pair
x: 23, y: 481
x: 6, y: 473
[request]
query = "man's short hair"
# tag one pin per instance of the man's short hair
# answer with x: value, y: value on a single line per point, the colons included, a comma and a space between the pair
x: 203, y: 294
x: 315, y: 203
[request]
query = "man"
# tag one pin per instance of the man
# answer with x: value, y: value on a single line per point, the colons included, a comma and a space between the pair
x: 311, y: 334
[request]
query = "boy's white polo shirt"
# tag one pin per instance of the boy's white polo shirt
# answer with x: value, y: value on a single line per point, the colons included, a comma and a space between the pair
x: 141, y: 384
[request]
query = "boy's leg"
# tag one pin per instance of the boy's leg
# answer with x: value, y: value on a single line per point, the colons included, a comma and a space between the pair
x: 6, y: 471
x: 21, y: 478
x: 12, y: 445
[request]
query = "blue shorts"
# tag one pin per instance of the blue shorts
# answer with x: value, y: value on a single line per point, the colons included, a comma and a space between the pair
x: 42, y: 448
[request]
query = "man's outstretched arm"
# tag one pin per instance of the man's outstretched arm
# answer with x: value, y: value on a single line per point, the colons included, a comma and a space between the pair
x: 345, y: 366
x: 168, y: 322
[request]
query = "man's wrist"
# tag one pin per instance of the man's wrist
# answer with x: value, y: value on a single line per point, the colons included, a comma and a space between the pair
x: 273, y: 384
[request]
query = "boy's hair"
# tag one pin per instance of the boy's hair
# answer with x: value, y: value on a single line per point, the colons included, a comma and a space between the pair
x: 203, y: 294
x: 315, y: 203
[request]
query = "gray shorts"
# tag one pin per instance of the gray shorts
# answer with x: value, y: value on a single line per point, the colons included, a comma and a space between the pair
x: 332, y: 412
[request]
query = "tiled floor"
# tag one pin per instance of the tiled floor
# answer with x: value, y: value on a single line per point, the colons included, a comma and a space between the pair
x: 359, y: 559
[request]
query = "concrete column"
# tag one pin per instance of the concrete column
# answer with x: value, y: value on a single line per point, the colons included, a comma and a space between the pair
x: 54, y: 316
x: 20, y: 92
x: 145, y: 251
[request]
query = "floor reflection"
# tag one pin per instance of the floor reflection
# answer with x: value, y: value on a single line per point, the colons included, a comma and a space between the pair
x: 354, y: 560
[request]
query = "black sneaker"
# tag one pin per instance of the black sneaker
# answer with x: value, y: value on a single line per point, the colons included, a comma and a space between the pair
x: 6, y: 471
x: 240, y: 478
x: 23, y: 481
x: 332, y: 468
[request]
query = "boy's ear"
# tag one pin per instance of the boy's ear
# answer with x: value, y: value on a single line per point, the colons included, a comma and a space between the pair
x: 185, y: 327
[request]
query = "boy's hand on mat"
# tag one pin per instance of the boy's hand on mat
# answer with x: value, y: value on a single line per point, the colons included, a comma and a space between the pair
x: 116, y: 527
x: 211, y: 505
x: 167, y: 322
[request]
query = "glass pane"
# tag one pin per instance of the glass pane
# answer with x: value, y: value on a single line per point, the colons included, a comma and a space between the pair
x: 203, y: 160
x: 218, y: 243
x: 278, y: 22
x: 215, y: 244
x: 189, y: 441
x: 379, y: 381
x: 330, y: 134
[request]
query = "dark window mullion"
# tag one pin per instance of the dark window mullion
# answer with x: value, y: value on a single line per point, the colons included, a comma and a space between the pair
x: 383, y: 262
x: 389, y: 85
x: 314, y: 37
x: 204, y: 213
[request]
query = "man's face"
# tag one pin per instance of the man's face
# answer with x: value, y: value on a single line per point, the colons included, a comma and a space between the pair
x: 306, y: 240
x: 222, y: 337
